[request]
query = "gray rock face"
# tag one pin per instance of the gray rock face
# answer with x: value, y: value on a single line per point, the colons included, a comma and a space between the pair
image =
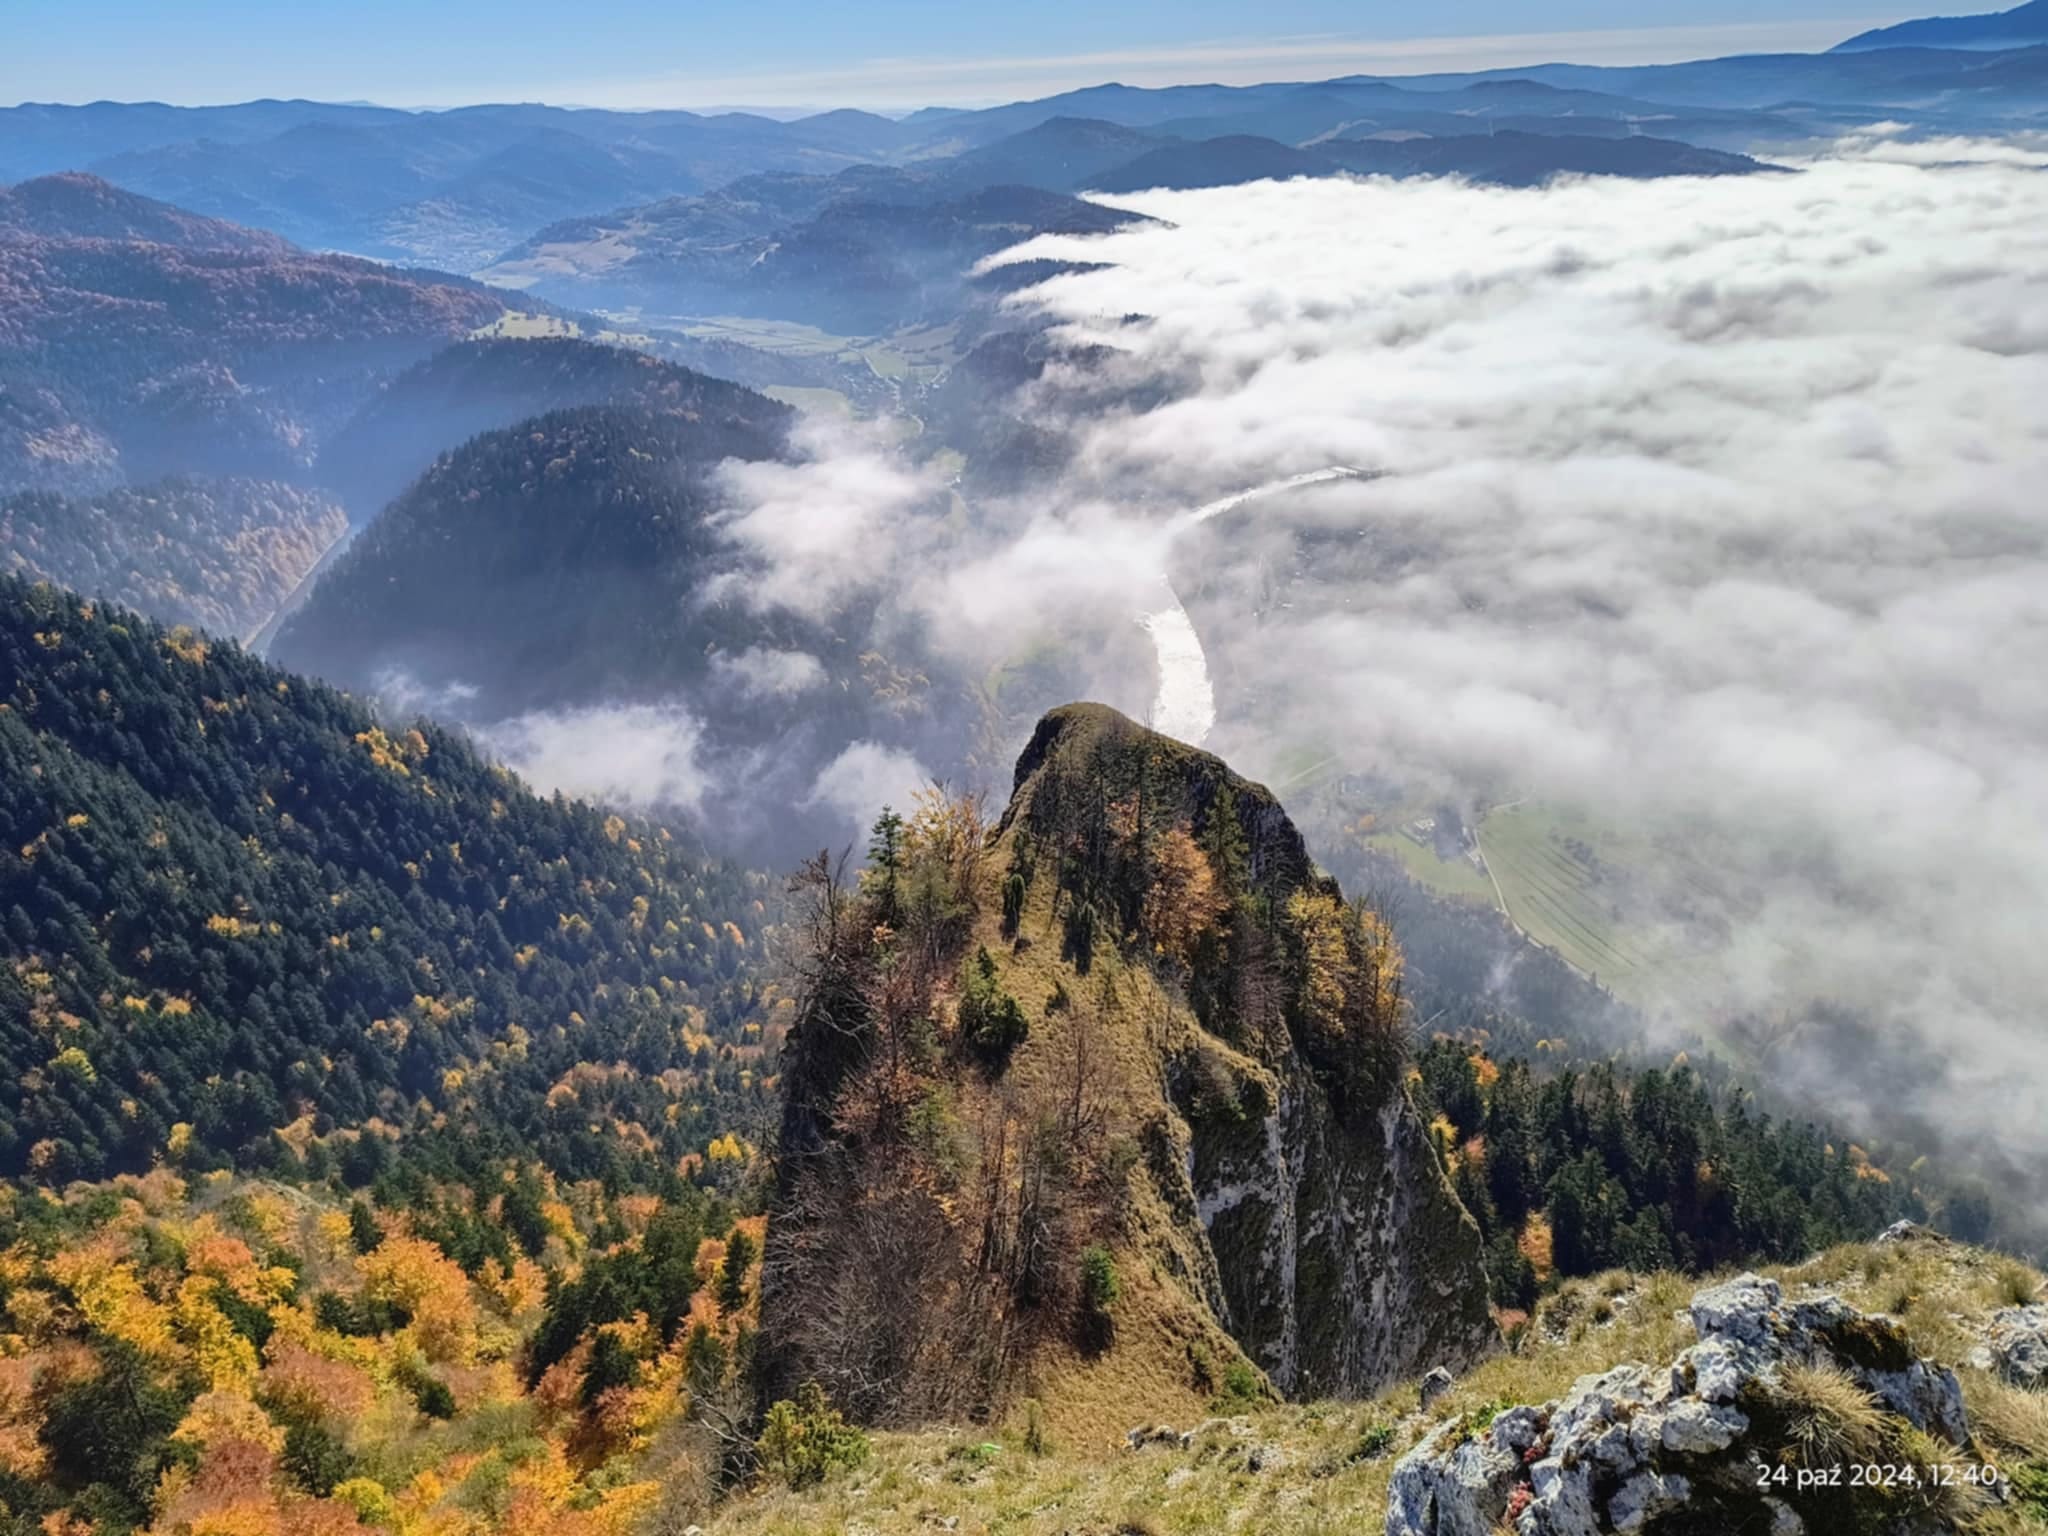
x: 2019, y: 1345
x: 1458, y: 1484
x: 1345, y: 1261
x: 1624, y: 1447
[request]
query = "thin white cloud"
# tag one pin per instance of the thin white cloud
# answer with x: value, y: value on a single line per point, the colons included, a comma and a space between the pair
x: 904, y: 82
x: 761, y: 673
x: 863, y: 779
x: 824, y: 526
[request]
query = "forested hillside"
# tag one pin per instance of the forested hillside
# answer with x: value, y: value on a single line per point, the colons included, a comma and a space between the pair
x: 501, y: 1067
x: 542, y: 564
x: 245, y: 923
x: 219, y: 555
x: 1571, y: 1172
x: 437, y: 405
x: 1122, y: 1085
x: 74, y: 206
x: 195, y: 1354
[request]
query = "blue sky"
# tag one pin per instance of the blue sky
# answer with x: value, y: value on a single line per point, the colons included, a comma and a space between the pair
x: 885, y: 53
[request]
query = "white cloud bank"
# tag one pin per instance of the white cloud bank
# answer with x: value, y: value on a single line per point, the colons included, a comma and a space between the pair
x: 1714, y: 505
x: 824, y: 526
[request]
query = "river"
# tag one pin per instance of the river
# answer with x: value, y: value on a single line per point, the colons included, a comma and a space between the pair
x: 1185, y: 705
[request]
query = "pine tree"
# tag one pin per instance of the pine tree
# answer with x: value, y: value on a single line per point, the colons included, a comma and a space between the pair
x: 732, y: 1273
x: 885, y: 864
x: 611, y: 1365
x: 363, y: 1230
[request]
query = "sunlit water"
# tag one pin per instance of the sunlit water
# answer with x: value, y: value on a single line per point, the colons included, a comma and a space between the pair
x: 1185, y: 705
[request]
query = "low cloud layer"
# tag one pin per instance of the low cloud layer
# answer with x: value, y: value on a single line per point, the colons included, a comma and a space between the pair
x: 642, y: 755
x: 824, y: 526
x: 1715, y: 507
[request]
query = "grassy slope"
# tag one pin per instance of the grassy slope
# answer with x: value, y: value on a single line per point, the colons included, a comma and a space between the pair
x: 1577, y: 887
x: 1447, y: 877
x: 1319, y: 1484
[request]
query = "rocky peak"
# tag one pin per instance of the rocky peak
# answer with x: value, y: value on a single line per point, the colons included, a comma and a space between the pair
x: 1341, y: 1260
x: 1147, y: 933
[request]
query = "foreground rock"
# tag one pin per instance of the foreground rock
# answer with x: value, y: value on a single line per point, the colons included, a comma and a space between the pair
x: 1709, y: 1432
x: 2019, y: 1345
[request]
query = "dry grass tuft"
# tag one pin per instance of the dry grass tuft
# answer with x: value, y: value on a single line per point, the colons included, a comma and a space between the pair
x: 2009, y: 1417
x: 1829, y: 1419
x: 2014, y: 1284
x: 1666, y: 1292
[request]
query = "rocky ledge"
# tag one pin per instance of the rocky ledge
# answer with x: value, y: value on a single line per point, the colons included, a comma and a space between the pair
x: 1809, y: 1386
x: 2017, y: 1348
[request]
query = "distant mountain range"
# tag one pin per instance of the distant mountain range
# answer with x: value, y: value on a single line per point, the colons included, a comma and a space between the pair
x: 449, y: 187
x: 458, y: 188
x: 862, y: 252
x: 188, y: 391
x: 1508, y: 158
x: 2022, y: 27
x: 876, y: 247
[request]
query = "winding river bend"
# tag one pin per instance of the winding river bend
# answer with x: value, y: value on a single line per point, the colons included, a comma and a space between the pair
x: 1185, y: 705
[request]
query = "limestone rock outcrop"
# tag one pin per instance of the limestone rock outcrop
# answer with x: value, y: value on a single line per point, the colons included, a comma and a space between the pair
x: 1707, y: 1433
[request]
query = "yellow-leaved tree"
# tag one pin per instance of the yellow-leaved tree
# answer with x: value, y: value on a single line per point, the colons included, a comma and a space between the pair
x: 416, y: 1276
x: 1184, y: 900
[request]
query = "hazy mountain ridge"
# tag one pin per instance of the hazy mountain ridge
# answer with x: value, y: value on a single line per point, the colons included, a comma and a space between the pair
x: 216, y: 555
x: 524, y: 563
x: 2022, y: 26
x: 75, y: 206
x: 142, y: 341
x: 865, y: 251
x: 440, y: 186
x: 570, y: 585
x: 1953, y: 90
x: 1506, y: 158
x: 454, y: 187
